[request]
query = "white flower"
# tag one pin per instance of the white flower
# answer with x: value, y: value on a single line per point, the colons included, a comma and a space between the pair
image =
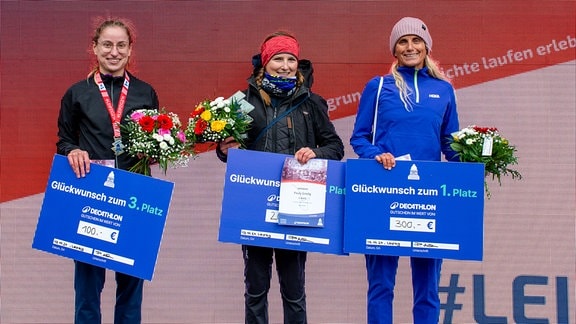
x: 163, y: 145
x: 158, y: 137
x: 219, y: 102
x: 175, y: 120
x: 461, y: 134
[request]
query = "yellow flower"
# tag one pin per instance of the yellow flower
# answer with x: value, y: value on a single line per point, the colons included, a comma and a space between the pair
x: 206, y: 115
x: 218, y: 125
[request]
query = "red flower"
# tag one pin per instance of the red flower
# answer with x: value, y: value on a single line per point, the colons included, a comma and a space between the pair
x: 484, y: 130
x: 197, y: 111
x: 147, y: 123
x: 201, y: 125
x: 164, y: 121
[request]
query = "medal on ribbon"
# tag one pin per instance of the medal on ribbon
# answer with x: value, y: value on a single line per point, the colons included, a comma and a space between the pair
x: 117, y: 146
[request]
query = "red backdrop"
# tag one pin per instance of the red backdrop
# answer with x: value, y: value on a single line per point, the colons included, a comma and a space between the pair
x: 192, y: 50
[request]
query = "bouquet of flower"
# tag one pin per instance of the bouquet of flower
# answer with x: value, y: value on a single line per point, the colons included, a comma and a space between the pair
x: 486, y: 145
x: 213, y: 121
x: 156, y: 137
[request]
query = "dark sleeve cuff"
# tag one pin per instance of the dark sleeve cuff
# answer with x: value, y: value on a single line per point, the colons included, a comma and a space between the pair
x: 223, y: 157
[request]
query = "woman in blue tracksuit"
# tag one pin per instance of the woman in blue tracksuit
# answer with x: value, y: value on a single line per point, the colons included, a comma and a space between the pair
x: 410, y: 111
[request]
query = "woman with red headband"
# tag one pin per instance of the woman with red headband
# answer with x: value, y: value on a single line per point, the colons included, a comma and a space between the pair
x: 288, y: 119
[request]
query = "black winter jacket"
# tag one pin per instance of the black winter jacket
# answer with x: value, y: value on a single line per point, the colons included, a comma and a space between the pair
x: 304, y: 123
x: 84, y: 122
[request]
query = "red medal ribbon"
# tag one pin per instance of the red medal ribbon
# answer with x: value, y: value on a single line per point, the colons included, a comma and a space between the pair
x: 115, y: 115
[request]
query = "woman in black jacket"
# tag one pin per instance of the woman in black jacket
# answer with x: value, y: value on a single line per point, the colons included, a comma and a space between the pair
x: 289, y: 119
x: 91, y: 112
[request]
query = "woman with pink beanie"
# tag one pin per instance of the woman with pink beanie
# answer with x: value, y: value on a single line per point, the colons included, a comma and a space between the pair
x: 409, y: 112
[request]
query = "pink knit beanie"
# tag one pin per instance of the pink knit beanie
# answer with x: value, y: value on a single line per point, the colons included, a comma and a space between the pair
x: 410, y: 26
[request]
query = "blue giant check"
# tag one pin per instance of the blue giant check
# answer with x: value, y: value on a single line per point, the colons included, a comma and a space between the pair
x: 419, y: 208
x: 111, y: 218
x: 251, y: 201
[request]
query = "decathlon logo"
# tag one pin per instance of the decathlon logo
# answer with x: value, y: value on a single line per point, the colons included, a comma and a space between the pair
x: 273, y: 198
x: 408, y: 206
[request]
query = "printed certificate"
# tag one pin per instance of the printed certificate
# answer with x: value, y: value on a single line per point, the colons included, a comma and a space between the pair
x: 303, y: 193
x: 419, y: 208
x: 111, y: 218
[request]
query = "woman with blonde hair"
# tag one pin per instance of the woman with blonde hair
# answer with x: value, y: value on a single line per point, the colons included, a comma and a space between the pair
x: 409, y: 112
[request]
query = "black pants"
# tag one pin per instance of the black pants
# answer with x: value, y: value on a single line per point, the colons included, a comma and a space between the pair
x: 290, y: 266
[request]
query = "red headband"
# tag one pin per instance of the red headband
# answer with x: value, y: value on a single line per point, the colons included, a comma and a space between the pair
x: 276, y: 45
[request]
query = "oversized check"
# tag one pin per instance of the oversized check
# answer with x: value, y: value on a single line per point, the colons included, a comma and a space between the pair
x: 111, y: 218
x: 419, y: 208
x: 251, y: 201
